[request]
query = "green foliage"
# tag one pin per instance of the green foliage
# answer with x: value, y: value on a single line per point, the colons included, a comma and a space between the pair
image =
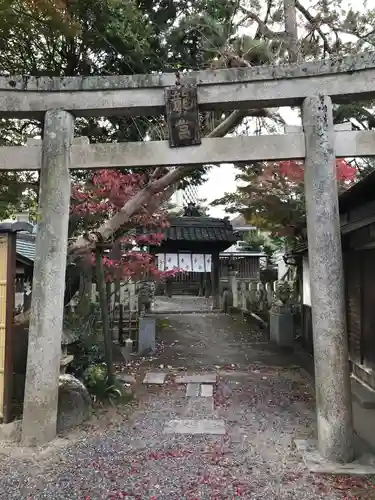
x: 85, y: 355
x: 256, y: 52
x: 113, y: 37
x: 101, y: 388
x: 85, y: 342
x: 262, y: 242
x: 101, y: 37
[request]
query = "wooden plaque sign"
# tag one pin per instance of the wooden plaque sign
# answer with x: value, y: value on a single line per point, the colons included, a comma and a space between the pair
x: 182, y: 115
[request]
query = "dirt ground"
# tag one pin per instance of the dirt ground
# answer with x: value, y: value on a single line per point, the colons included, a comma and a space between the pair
x: 260, y: 395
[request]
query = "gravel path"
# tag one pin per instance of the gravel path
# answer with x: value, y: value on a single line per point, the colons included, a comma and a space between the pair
x: 264, y: 404
x: 181, y: 303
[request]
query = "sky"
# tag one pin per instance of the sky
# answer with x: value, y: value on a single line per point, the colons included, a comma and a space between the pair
x: 221, y: 179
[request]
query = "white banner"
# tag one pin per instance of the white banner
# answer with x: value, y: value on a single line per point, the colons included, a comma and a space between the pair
x: 208, y: 262
x: 198, y: 262
x: 171, y: 261
x: 161, y: 261
x: 185, y: 262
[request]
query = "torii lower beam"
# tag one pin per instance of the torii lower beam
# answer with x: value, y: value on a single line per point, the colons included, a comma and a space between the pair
x: 348, y: 144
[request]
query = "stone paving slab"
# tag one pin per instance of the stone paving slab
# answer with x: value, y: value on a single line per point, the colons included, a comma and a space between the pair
x: 199, y: 407
x: 207, y: 390
x: 127, y: 379
x: 154, y: 378
x: 192, y: 390
x: 189, y: 426
x: 200, y: 378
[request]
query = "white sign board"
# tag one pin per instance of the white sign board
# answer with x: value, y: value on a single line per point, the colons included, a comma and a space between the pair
x: 306, y: 293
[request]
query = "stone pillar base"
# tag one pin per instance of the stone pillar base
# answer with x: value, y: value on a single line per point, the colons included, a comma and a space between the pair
x: 147, y: 334
x: 282, y: 328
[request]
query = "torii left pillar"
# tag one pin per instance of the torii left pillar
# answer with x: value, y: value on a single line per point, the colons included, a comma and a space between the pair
x: 47, y: 303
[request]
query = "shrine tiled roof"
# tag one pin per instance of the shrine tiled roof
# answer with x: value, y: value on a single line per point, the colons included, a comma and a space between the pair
x: 200, y: 229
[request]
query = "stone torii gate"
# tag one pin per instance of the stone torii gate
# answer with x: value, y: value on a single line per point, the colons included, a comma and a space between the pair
x: 314, y: 86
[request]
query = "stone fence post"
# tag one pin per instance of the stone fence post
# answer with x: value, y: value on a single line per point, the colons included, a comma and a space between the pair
x: 232, y: 282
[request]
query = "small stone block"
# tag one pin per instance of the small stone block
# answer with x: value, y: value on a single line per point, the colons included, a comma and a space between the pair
x: 200, y: 378
x: 154, y: 378
x: 195, y: 427
x: 192, y: 390
x: 127, y: 379
x: 11, y: 432
x: 146, y: 335
x: 362, y: 395
x: 207, y: 390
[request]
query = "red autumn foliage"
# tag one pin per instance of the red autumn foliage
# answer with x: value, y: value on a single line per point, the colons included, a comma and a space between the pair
x: 294, y: 170
x: 101, y: 198
x: 272, y: 195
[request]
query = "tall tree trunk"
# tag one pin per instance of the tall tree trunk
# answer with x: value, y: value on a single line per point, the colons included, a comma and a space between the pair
x: 290, y: 14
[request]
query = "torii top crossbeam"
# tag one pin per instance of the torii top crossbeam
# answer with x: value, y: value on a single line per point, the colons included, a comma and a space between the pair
x: 345, y: 79
x: 266, y: 86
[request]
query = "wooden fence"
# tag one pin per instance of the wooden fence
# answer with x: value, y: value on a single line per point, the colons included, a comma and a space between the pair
x: 22, y: 294
x: 123, y: 307
x: 123, y: 304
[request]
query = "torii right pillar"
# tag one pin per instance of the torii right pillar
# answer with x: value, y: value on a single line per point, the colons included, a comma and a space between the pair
x: 332, y: 382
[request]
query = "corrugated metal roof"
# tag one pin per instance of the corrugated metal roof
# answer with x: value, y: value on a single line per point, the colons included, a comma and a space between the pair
x: 26, y: 246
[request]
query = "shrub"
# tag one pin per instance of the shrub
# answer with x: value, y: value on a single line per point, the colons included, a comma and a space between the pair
x: 95, y: 378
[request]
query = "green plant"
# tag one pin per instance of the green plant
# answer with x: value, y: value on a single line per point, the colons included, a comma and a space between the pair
x: 84, y: 356
x: 85, y: 342
x: 101, y: 388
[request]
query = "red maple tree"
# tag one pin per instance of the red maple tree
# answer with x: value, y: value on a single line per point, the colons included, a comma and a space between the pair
x: 102, y: 198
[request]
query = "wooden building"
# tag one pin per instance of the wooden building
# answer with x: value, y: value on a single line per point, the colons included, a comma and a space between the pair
x: 194, y: 244
x: 25, y: 256
x: 246, y: 264
x: 357, y: 216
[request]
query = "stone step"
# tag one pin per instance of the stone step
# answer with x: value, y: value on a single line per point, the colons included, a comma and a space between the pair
x: 199, y: 378
x: 203, y: 390
x: 193, y: 390
x: 192, y: 426
x: 157, y: 378
x: 207, y: 390
x: 199, y: 407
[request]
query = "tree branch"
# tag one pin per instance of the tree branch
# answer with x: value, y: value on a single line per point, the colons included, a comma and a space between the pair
x: 315, y: 25
x: 291, y: 29
x: 262, y: 27
x: 266, y: 17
